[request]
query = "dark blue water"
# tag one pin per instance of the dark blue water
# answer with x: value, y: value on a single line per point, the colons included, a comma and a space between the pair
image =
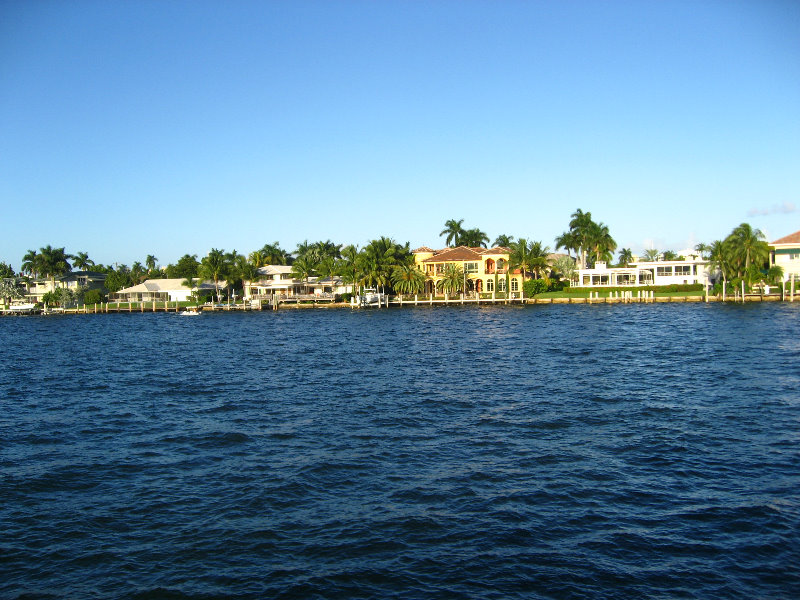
x: 542, y: 452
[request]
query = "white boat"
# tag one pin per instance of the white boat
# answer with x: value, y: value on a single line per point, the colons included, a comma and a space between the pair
x: 370, y: 297
x: 26, y: 308
x: 190, y: 312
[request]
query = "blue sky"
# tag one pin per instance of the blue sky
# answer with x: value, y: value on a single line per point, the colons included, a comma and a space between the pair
x: 135, y: 128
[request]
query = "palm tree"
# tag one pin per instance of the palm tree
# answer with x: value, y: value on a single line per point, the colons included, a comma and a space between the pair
x: 474, y: 238
x: 257, y: 259
x: 151, y: 262
x: 53, y: 262
x: 214, y: 266
x: 720, y: 259
x: 349, y: 266
x: 775, y: 274
x: 703, y: 250
x: 31, y: 263
x: 452, y: 280
x: 303, y: 267
x: 625, y: 257
x: 600, y: 241
x: 579, y: 236
x: 652, y: 254
x: 326, y: 268
x: 380, y: 257
x: 669, y: 255
x: 191, y: 283
x: 453, y: 231
x: 504, y: 240
x: 273, y: 254
x: 408, y: 279
x: 520, y: 257
x: 137, y: 272
x: 82, y: 261
x: 748, y: 246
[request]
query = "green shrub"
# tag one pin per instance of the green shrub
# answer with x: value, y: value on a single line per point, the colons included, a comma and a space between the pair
x: 534, y: 286
x: 93, y: 297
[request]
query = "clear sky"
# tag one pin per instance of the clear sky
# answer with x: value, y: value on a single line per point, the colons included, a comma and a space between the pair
x: 165, y: 128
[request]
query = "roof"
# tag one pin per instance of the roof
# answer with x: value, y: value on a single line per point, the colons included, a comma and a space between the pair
x: 162, y: 285
x: 422, y: 249
x: 274, y: 269
x: 792, y: 238
x: 461, y: 253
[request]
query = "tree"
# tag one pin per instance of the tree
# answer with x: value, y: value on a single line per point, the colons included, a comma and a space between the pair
x: 703, y: 250
x: 504, y: 240
x: 775, y: 274
x: 187, y: 266
x: 408, y: 279
x: 82, y: 261
x: 720, y: 259
x: 303, y: 267
x: 138, y: 273
x: 565, y: 267
x: 9, y: 290
x: 379, y: 258
x: 600, y: 241
x: 151, y: 262
x: 53, y: 262
x: 625, y: 257
x: 273, y: 254
x: 748, y: 247
x: 214, y: 266
x: 6, y: 270
x: 117, y: 279
x: 651, y: 254
x: 452, y: 280
x: 579, y: 236
x: 349, y: 266
x: 191, y: 283
x: 30, y: 263
x: 258, y: 259
x: 453, y: 231
x: 669, y: 255
x: 473, y: 238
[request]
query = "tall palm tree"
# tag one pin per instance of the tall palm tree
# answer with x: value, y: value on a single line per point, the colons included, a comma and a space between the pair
x: 453, y: 230
x: 720, y: 259
x: 82, y: 262
x: 151, y: 262
x: 474, y: 238
x: 651, y: 254
x: 380, y: 257
x: 452, y: 280
x: 214, y: 266
x: 257, y: 259
x: 303, y: 267
x: 54, y: 262
x: 504, y: 240
x: 349, y: 266
x: 408, y: 279
x: 31, y: 263
x: 748, y: 246
x: 625, y: 257
x: 600, y: 241
x: 138, y: 273
x: 275, y: 255
x: 703, y: 250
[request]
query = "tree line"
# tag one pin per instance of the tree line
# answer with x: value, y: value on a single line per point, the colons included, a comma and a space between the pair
x: 383, y: 263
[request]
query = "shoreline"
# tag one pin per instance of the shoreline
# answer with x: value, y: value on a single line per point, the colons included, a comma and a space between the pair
x: 398, y: 303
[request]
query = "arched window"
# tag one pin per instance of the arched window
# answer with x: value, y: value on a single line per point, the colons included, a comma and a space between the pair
x: 501, y: 284
x: 501, y: 264
x: 514, y: 285
x: 489, y: 285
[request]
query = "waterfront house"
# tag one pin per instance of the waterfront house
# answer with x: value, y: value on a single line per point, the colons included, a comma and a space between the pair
x: 690, y: 269
x: 785, y: 253
x: 74, y: 281
x: 485, y: 270
x: 162, y: 290
x: 277, y: 281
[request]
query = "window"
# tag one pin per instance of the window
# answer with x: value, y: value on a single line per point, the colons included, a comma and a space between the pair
x: 439, y: 269
x: 501, y: 284
x: 471, y: 267
x: 683, y: 270
x: 489, y: 285
x: 514, y: 285
x: 664, y: 271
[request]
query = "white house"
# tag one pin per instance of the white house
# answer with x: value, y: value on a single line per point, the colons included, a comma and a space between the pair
x: 74, y: 280
x: 161, y: 290
x: 693, y: 269
x: 785, y: 252
x: 277, y: 280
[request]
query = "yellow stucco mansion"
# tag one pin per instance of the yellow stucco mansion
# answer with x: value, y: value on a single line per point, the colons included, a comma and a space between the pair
x: 485, y: 269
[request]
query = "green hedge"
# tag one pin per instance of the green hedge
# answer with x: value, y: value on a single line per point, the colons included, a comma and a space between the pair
x: 674, y: 287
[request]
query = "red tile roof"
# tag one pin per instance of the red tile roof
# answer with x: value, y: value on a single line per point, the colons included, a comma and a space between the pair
x: 454, y: 254
x: 422, y: 249
x: 792, y: 238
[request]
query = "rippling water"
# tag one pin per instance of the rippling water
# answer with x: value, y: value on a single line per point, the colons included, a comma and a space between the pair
x: 540, y: 452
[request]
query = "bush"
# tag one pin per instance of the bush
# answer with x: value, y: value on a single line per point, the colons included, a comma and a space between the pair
x: 93, y: 297
x: 534, y: 286
x: 674, y: 287
x: 346, y: 297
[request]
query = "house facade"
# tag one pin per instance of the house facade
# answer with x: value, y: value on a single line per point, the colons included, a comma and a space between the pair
x: 486, y: 270
x: 785, y: 253
x: 160, y: 290
x: 277, y: 280
x: 693, y: 269
x: 75, y: 280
